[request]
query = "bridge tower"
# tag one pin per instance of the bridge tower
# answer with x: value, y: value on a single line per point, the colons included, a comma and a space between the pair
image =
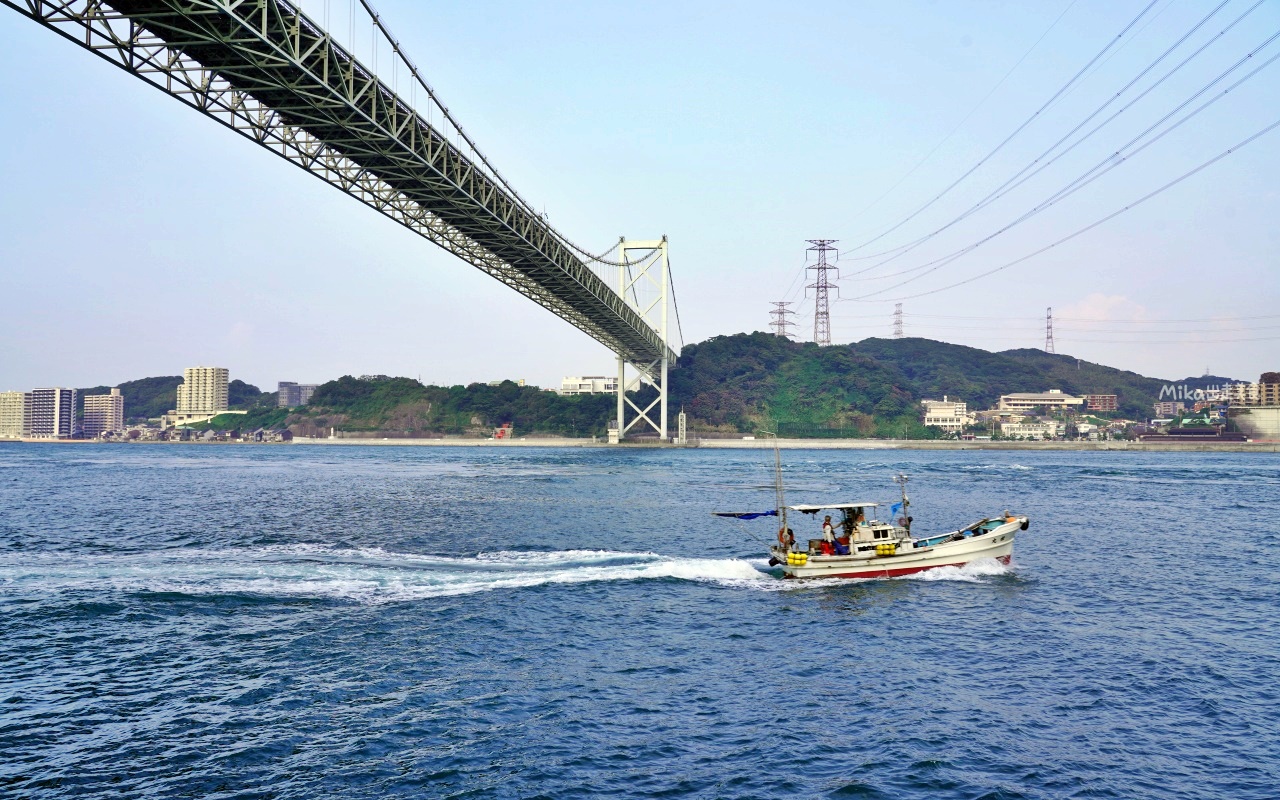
x: 645, y: 286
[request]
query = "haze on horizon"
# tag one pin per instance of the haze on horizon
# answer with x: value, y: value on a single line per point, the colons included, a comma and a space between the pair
x: 142, y: 238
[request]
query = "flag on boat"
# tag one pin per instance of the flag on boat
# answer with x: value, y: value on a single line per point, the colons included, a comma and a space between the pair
x: 746, y: 514
x: 894, y: 509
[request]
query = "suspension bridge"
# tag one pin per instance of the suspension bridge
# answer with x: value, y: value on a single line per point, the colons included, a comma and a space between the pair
x: 379, y: 133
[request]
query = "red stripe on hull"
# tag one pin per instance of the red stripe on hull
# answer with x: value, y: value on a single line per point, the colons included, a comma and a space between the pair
x: 894, y: 573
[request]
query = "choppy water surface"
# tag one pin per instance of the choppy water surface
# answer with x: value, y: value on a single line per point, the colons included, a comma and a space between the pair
x: 303, y: 622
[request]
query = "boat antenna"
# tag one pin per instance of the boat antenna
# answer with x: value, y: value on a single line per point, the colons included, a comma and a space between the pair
x: 901, y: 479
x: 779, y: 499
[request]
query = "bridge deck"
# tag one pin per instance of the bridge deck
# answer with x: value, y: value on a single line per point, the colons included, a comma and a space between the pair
x: 275, y: 55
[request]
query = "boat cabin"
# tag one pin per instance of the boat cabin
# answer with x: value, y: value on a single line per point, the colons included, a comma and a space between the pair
x: 855, y: 526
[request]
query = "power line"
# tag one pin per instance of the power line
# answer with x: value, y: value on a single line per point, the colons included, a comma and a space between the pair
x: 1014, y: 182
x: 1095, y: 224
x: 1110, y: 44
x: 1089, y: 319
x: 966, y: 118
x: 1097, y: 171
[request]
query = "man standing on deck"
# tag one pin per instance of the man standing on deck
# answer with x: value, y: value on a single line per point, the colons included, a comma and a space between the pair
x: 828, y: 537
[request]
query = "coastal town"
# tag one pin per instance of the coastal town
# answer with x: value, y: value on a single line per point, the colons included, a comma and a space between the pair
x: 1232, y: 412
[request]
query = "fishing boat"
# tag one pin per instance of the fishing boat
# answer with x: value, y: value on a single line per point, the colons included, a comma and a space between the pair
x: 860, y: 546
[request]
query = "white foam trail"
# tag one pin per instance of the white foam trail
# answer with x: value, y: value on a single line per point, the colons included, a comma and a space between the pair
x: 973, y: 572
x: 369, y: 575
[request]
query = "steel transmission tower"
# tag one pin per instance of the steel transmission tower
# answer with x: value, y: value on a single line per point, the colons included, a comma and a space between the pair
x: 821, y: 285
x: 780, y: 324
x: 897, y: 321
x: 1048, y: 330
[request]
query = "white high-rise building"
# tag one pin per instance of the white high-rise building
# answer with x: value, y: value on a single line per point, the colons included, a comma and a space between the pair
x: 203, y: 390
x: 103, y: 413
x: 202, y: 395
x: 15, y: 414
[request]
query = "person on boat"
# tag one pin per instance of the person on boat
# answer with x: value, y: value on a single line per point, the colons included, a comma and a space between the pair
x: 828, y: 537
x: 787, y: 538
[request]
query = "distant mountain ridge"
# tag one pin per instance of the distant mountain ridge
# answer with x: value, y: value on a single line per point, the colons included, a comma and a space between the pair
x: 738, y: 383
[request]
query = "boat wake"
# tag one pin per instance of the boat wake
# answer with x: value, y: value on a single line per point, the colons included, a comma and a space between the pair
x: 366, y: 575
x: 973, y: 572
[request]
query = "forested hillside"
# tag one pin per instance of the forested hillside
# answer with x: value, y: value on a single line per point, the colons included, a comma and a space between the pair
x: 979, y: 377
x: 730, y: 384
x: 753, y: 380
x: 758, y: 380
x: 405, y: 406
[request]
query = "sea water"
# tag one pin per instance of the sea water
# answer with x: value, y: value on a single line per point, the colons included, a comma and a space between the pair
x: 381, y: 622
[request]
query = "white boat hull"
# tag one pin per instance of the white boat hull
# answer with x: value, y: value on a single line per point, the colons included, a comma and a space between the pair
x: 914, y: 557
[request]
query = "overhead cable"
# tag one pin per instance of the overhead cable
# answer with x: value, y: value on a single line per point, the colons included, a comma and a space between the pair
x: 1014, y: 182
x: 966, y: 118
x: 1097, y: 171
x: 1091, y: 226
x: 1110, y: 44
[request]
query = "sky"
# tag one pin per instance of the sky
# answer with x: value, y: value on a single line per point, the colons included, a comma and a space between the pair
x: 140, y: 237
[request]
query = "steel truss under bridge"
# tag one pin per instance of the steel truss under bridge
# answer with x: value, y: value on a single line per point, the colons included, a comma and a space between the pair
x: 270, y: 73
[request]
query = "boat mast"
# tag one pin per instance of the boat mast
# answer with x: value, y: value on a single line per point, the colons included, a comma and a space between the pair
x: 901, y: 479
x: 779, y: 500
x: 777, y: 480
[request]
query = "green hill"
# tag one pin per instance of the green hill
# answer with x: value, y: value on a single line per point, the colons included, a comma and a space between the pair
x: 406, y: 407
x: 746, y: 381
x: 979, y: 377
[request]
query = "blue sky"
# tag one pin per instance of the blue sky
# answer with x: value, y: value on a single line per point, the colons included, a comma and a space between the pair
x: 141, y: 237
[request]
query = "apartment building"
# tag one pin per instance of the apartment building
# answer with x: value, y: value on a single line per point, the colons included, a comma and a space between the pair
x: 202, y: 395
x: 15, y: 414
x: 290, y: 394
x: 1102, y: 402
x: 203, y: 390
x: 53, y: 413
x: 103, y: 413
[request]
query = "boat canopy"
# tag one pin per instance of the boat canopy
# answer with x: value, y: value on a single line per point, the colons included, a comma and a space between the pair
x: 745, y: 514
x: 831, y: 506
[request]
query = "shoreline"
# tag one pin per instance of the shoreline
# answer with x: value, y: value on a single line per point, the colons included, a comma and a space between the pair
x: 742, y: 444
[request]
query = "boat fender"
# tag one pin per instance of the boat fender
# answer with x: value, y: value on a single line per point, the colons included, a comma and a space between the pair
x: 773, y: 562
x: 1026, y: 523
